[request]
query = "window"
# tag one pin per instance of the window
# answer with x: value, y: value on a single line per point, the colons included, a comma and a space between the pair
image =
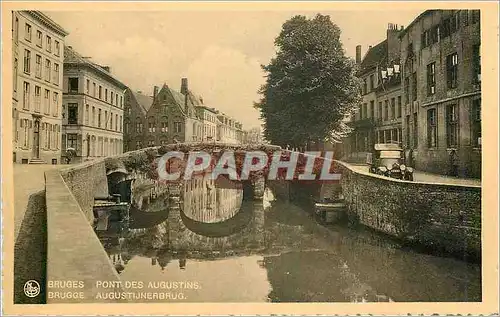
x: 414, y: 86
x: 177, y: 127
x: 400, y: 107
x: 476, y: 63
x: 393, y: 108
x: 365, y: 88
x: 57, y: 49
x: 431, y: 79
x: 26, y: 96
x: 72, y: 113
x: 116, y: 122
x: 407, y: 90
x: 39, y: 38
x: 380, y: 110
x: 100, y: 92
x: 27, y: 61
x: 476, y: 16
x: 56, y: 74
x: 93, y: 90
x: 46, y: 102
x: 121, y: 123
x: 386, y: 110
x: 121, y: 101
x: 451, y: 126
x: 14, y: 74
x: 106, y: 94
x: 138, y: 145
x: 87, y: 114
x: 38, y: 98
x: 105, y: 119
x: 434, y: 34
x: 408, y: 131
x: 372, y: 109
x: 49, y: 44
x: 476, y: 122
x: 446, y: 27
x: 99, y: 118
x: 164, y: 127
x: 116, y: 100
x: 372, y: 82
x: 47, y: 70
x: 27, y: 32
x: 455, y: 22
x: 111, y: 121
x: 415, y: 130
x: 55, y: 97
x: 72, y: 140
x: 112, y: 99
x: 16, y: 29
x: 452, y: 70
x: 93, y: 116
x: 73, y: 84
x: 426, y: 38
x: 431, y: 128
x: 465, y: 16
x: 364, y: 111
x: 87, y: 87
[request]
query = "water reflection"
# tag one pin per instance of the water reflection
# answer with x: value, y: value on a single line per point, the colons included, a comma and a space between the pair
x: 205, y: 233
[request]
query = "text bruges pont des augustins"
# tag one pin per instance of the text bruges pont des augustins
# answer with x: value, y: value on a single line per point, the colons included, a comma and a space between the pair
x: 129, y: 290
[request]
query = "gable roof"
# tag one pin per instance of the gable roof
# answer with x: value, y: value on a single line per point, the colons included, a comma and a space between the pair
x: 72, y: 57
x: 374, y: 56
x: 145, y: 102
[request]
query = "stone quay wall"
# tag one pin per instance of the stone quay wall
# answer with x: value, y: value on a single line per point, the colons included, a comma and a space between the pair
x: 440, y: 216
x: 86, y: 181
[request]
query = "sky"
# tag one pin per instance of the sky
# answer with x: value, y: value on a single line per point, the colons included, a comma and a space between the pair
x: 220, y: 52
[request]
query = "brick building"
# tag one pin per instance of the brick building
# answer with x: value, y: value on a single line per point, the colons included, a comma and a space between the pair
x: 37, y: 87
x: 440, y: 53
x: 136, y: 108
x: 170, y: 116
x: 92, y: 108
x: 378, y: 118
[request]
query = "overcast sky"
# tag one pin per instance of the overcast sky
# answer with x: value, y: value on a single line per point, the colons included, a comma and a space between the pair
x: 219, y: 52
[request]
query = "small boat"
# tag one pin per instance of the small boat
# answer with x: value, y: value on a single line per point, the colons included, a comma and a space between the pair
x: 330, y: 211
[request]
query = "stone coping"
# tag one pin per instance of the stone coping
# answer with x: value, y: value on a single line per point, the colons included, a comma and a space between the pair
x: 74, y: 252
x: 388, y: 179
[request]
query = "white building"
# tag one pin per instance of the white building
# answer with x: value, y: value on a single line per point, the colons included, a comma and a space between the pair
x: 92, y: 108
x: 37, y: 87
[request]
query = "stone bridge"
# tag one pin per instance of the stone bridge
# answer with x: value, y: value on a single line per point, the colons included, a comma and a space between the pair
x: 270, y: 163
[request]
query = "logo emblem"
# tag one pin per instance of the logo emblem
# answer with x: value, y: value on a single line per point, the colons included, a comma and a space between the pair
x: 31, y: 288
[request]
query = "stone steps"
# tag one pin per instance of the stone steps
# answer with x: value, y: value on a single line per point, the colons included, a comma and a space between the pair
x: 36, y: 161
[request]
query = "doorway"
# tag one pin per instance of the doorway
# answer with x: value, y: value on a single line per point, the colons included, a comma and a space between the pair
x: 36, y: 139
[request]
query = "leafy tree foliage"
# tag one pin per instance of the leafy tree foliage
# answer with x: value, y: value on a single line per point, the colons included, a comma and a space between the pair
x: 310, y: 84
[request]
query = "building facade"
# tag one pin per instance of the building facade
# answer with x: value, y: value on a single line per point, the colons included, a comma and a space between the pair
x: 170, y: 116
x: 92, y: 108
x: 135, y: 124
x: 229, y: 130
x: 440, y: 53
x: 379, y: 116
x: 37, y: 87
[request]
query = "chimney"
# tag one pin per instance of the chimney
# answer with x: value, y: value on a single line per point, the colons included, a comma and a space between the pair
x: 184, y: 86
x: 358, y: 54
x: 155, y: 92
x: 393, y: 42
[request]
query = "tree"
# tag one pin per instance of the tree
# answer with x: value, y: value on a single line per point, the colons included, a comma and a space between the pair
x: 310, y: 84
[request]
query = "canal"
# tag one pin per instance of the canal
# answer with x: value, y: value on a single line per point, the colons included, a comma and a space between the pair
x: 210, y: 244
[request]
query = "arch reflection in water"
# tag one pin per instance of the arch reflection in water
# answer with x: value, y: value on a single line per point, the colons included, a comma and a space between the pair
x: 212, y: 215
x: 210, y: 201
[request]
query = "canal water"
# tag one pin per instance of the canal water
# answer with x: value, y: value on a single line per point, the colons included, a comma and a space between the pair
x: 211, y: 245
